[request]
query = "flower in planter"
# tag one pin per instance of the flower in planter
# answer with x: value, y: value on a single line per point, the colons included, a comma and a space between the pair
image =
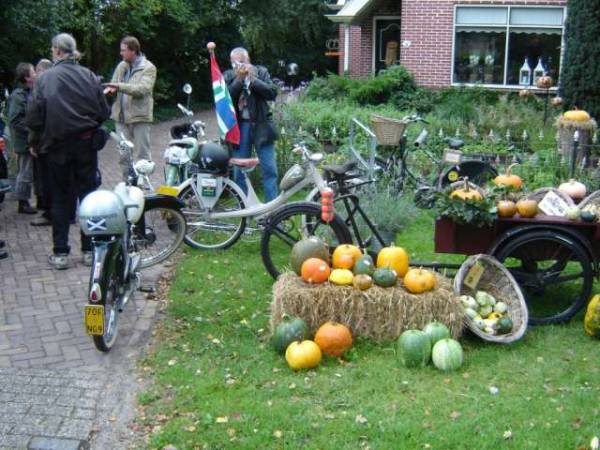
x: 473, y: 60
x: 489, y: 60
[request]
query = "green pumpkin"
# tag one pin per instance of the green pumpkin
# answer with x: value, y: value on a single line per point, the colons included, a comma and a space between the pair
x: 288, y: 331
x: 364, y: 265
x: 588, y: 216
x: 504, y: 325
x: 311, y: 247
x: 414, y: 348
x: 436, y: 331
x: 447, y: 354
x: 384, y: 277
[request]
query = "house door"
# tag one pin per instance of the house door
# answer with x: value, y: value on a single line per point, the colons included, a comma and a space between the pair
x: 387, y: 42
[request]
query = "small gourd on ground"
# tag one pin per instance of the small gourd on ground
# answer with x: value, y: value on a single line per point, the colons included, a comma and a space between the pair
x: 303, y: 355
x: 414, y: 348
x: 591, y: 323
x: 333, y: 338
x: 290, y: 329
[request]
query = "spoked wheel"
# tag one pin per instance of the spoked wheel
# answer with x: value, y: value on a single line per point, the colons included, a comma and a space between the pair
x: 209, y: 234
x: 158, y: 234
x: 554, y: 271
x: 294, y: 222
x: 111, y: 314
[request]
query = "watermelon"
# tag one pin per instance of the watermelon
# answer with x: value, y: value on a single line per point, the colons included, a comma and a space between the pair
x: 414, y: 348
x: 447, y: 354
x: 436, y: 331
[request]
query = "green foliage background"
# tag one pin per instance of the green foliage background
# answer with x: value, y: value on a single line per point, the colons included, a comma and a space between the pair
x: 580, y: 78
x: 173, y: 34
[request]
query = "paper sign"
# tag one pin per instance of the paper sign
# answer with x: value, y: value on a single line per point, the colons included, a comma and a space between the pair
x: 553, y: 205
x: 474, y: 275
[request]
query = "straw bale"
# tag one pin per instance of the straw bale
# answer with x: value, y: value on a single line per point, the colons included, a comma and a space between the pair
x: 377, y: 313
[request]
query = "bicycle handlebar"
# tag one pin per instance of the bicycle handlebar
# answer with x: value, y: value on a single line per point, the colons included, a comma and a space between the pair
x: 420, y: 140
x: 184, y: 110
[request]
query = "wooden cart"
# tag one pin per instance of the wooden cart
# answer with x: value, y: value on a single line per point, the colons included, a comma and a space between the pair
x: 553, y: 259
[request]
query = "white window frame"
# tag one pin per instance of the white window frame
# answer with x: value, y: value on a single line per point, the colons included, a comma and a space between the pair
x: 507, y: 28
x: 374, y: 37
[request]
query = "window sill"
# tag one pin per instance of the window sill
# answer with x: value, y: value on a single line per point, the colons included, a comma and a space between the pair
x: 507, y: 87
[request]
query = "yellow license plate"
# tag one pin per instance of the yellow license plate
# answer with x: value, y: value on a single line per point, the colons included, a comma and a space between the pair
x: 167, y: 190
x: 94, y: 320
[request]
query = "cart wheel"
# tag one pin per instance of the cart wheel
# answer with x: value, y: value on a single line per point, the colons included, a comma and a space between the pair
x: 554, y: 272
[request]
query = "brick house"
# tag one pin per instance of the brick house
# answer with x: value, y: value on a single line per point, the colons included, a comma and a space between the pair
x: 492, y: 43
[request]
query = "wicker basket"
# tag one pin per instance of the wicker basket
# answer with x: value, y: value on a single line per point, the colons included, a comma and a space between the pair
x: 539, y: 194
x: 497, y: 281
x: 387, y: 130
x: 592, y: 199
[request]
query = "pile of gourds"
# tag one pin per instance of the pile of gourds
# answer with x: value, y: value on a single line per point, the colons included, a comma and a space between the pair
x: 351, y: 267
x: 291, y: 338
x: 486, y: 313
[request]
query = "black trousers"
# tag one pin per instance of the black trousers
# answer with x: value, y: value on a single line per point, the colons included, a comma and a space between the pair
x: 72, y: 167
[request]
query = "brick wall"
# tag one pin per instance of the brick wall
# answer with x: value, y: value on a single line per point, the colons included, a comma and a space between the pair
x: 428, y: 25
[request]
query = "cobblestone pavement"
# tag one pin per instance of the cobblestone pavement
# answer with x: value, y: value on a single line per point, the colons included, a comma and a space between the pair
x: 56, y: 389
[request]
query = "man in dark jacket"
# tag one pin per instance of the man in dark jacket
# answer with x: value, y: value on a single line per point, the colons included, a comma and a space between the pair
x: 17, y: 106
x: 251, y: 88
x: 66, y: 107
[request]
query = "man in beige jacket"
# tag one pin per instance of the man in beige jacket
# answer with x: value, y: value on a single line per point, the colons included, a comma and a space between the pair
x: 133, y: 82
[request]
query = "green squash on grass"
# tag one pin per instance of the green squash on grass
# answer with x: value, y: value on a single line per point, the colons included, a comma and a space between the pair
x: 289, y: 330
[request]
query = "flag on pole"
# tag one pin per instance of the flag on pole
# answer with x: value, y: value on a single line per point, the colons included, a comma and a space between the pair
x: 225, y: 111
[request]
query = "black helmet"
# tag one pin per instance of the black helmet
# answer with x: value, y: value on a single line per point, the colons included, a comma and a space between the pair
x: 213, y: 158
x: 180, y: 131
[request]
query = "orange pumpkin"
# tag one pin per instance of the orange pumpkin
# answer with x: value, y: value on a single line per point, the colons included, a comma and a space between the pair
x: 417, y: 281
x: 345, y: 255
x: 466, y: 193
x: 509, y: 180
x: 527, y: 208
x: 394, y: 258
x: 544, y: 82
x: 333, y: 338
x: 556, y: 101
x: 315, y: 271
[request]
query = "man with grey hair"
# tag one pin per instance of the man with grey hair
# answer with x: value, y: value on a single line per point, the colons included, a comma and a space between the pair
x: 251, y: 89
x: 133, y: 83
x: 67, y: 106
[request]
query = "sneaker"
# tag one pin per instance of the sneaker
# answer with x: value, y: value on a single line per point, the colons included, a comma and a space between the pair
x: 87, y: 259
x: 25, y: 208
x: 59, y: 261
x: 40, y: 221
x: 3, y: 254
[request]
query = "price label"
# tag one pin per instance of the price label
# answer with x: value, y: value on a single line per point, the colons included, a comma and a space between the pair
x: 474, y: 275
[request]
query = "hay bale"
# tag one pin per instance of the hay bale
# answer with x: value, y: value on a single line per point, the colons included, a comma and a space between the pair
x: 377, y: 313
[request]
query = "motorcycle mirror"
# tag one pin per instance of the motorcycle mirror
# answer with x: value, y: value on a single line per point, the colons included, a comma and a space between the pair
x: 187, y: 88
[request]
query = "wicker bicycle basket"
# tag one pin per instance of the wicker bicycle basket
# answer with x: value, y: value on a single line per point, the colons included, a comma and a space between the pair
x: 497, y: 281
x: 387, y: 130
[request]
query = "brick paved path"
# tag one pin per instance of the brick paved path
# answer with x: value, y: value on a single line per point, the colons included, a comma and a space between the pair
x: 53, y: 382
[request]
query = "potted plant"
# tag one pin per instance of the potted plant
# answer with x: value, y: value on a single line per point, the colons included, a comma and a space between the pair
x: 388, y: 210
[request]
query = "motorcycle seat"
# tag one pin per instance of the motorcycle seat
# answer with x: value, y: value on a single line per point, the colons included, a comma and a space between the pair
x: 340, y: 169
x: 246, y: 163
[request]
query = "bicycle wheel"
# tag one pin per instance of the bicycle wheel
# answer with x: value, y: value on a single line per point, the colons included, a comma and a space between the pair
x: 554, y: 271
x: 210, y: 234
x: 109, y: 300
x: 294, y: 222
x: 158, y: 234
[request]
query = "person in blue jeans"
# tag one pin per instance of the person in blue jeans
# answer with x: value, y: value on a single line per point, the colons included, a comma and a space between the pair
x: 251, y: 89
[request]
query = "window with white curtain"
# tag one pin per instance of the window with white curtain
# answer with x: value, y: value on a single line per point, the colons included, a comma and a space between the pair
x: 492, y: 44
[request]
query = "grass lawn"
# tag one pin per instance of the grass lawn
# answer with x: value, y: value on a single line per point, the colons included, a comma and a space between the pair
x: 214, y: 381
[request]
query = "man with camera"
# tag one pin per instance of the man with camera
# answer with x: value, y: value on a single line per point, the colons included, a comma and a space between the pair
x: 251, y: 88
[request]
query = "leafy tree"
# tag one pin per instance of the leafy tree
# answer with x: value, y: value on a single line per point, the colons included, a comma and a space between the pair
x: 290, y: 31
x: 580, y: 78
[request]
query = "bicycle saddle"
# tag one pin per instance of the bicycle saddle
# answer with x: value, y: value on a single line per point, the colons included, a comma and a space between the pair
x: 454, y: 143
x: 244, y: 162
x: 339, y: 169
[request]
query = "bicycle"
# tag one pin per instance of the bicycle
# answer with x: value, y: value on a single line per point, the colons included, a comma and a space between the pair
x: 452, y: 167
x: 217, y: 209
